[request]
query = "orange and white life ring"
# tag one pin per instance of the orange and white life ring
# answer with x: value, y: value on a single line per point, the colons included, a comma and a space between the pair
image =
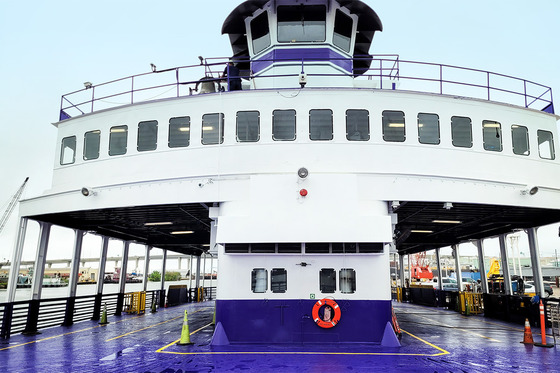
x: 329, y: 322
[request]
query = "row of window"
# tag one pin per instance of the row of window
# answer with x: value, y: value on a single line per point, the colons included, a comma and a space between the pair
x: 307, y: 248
x: 320, y: 129
x: 327, y: 280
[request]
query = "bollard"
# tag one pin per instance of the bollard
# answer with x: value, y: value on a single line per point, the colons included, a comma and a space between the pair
x: 104, y: 316
x: 185, y: 334
x: 543, y: 329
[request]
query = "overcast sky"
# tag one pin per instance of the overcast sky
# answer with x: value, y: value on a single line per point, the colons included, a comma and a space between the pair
x: 49, y: 48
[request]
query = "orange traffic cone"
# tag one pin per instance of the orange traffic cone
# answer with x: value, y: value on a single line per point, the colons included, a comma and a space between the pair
x: 528, y: 337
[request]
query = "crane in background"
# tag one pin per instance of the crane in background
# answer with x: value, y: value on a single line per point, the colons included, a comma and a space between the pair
x: 12, y: 205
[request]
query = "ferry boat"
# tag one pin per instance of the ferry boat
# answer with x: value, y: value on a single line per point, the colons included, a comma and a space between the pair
x: 302, y: 162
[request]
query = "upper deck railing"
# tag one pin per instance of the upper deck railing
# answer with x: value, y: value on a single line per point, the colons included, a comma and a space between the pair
x: 385, y: 72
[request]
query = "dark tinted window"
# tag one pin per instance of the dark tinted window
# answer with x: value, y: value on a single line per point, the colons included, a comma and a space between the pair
x: 301, y: 23
x: 179, y: 132
x: 92, y: 141
x: 342, y: 31
x: 212, y: 129
x: 428, y: 128
x: 321, y: 125
x: 327, y: 280
x: 284, y: 125
x: 248, y: 123
x: 279, y: 280
x: 147, y: 135
x: 461, y: 132
x: 118, y: 140
x: 357, y: 125
x: 520, y: 140
x: 260, y: 32
x: 492, y: 135
x: 393, y: 126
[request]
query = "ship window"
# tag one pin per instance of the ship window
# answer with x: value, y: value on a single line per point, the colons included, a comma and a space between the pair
x: 302, y: 23
x: 289, y: 248
x: 92, y: 140
x: 520, y: 140
x: 212, y: 129
x: 68, y: 151
x: 492, y: 135
x: 370, y: 248
x: 260, y: 32
x: 546, y: 144
x: 344, y: 248
x: 147, y: 135
x: 461, y: 132
x: 357, y: 125
x: 259, y: 279
x: 278, y: 280
x: 284, y: 125
x: 239, y: 248
x: 327, y: 280
x: 347, y: 281
x: 428, y: 129
x: 317, y: 248
x: 263, y: 248
x: 342, y: 31
x: 393, y: 126
x: 248, y: 126
x: 118, y: 140
x: 321, y: 124
x: 179, y: 132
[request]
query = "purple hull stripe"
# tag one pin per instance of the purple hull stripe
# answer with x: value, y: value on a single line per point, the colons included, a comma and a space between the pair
x: 290, y: 321
x: 299, y: 54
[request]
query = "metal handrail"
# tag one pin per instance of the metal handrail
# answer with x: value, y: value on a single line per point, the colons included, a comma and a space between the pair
x: 382, y: 67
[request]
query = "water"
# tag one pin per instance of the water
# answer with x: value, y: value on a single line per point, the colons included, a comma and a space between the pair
x: 91, y: 289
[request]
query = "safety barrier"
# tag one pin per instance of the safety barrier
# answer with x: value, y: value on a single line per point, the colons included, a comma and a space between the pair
x: 553, y: 317
x: 470, y: 303
x: 135, y: 302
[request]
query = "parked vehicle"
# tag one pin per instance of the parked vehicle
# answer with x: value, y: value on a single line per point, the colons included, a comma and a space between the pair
x: 449, y: 284
x: 531, y: 285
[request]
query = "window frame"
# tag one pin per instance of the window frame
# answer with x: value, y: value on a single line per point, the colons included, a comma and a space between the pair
x: 352, y: 281
x: 322, y: 285
x: 283, y: 25
x: 258, y: 126
x: 86, y: 147
x: 175, y: 121
x: 386, y: 124
x: 490, y: 134
x: 337, y: 36
x: 319, y: 125
x: 150, y: 136
x: 63, y: 150
x: 421, y: 125
x: 454, y: 130
x: 274, y: 124
x: 514, y: 128
x: 356, y: 125
x: 205, y: 133
x: 255, y: 278
x: 114, y: 139
x: 282, y: 284
x: 551, y: 144
x: 252, y: 24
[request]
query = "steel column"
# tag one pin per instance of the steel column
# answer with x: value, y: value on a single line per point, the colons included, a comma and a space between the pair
x: 197, y: 278
x: 40, y: 260
x: 146, y: 267
x: 163, y: 268
x: 439, y: 273
x: 100, y: 278
x: 122, y: 278
x: 535, y: 261
x: 16, y: 260
x: 505, y: 264
x: 481, y: 266
x: 75, y: 266
x: 401, y: 270
x: 458, y: 272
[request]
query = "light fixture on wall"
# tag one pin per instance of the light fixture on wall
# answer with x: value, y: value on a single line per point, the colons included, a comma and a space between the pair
x: 303, y: 173
x: 154, y: 68
x: 530, y: 190
x: 88, y: 192
x: 88, y: 85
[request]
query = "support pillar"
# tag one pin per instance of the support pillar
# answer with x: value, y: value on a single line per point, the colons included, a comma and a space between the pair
x: 146, y: 267
x: 16, y: 260
x: 401, y: 270
x: 74, y: 276
x: 535, y: 261
x: 505, y: 264
x: 197, y: 278
x: 481, y: 266
x: 204, y: 271
x: 439, y: 273
x: 100, y: 278
x: 190, y: 272
x: 37, y: 284
x: 162, y: 281
x: 122, y: 278
x: 458, y: 272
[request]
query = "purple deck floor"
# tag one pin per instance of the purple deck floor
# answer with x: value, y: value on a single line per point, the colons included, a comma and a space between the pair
x: 434, y: 340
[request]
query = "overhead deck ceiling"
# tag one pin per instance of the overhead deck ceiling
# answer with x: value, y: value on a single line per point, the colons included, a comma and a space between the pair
x: 460, y: 223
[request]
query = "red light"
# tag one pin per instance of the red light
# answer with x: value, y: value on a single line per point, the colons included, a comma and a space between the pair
x: 303, y: 192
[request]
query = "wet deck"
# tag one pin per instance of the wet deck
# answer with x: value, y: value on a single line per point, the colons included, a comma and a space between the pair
x: 434, y: 340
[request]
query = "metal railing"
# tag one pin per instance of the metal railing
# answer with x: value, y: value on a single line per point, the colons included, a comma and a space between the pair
x: 385, y: 72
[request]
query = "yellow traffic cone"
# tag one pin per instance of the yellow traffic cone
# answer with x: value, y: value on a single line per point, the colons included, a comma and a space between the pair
x: 104, y: 316
x: 185, y: 334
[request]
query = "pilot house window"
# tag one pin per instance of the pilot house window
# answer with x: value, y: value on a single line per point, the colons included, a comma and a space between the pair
x: 92, y: 141
x: 342, y: 31
x: 260, y: 33
x: 301, y: 23
x: 520, y: 139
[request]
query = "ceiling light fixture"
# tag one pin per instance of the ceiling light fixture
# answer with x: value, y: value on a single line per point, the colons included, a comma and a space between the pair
x: 420, y: 231
x: 447, y: 221
x: 155, y: 224
x: 182, y: 232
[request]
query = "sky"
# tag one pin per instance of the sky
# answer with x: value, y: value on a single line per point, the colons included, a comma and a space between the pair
x: 50, y: 48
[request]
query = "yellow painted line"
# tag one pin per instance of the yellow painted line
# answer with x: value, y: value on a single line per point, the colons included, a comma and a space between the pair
x: 174, y: 342
x: 154, y: 325
x: 63, y: 335
x: 442, y: 351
